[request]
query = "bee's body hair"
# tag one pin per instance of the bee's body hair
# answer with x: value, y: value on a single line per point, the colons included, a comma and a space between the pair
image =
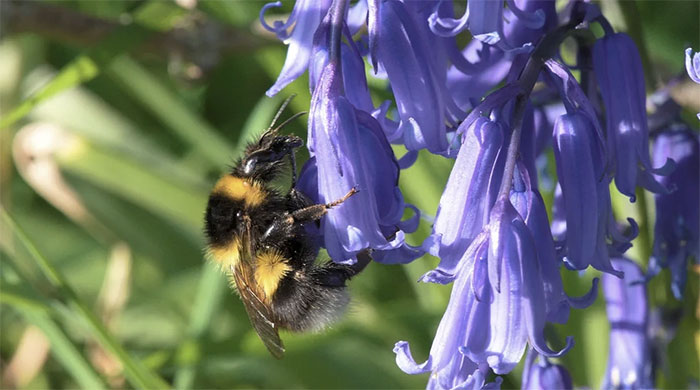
x: 257, y: 233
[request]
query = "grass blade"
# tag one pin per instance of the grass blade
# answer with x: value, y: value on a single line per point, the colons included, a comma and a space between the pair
x: 211, y: 287
x: 136, y: 373
x: 84, y: 68
x: 188, y: 126
x: 66, y: 352
x: 162, y: 195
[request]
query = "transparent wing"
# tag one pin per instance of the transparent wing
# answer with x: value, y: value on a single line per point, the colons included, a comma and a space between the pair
x: 259, y: 313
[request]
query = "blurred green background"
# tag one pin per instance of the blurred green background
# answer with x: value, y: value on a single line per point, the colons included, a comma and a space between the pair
x: 117, y: 118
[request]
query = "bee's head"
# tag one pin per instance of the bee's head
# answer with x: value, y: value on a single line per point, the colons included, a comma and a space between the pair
x: 268, y: 152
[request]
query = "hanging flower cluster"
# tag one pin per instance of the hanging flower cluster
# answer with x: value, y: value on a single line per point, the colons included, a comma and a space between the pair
x: 497, y: 105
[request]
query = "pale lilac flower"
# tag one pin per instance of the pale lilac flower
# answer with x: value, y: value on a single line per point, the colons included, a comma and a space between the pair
x: 692, y: 64
x: 455, y: 372
x: 677, y: 217
x: 544, y: 374
x: 629, y: 362
x: 402, y: 47
x: 529, y: 204
x: 484, y: 18
x: 498, y: 300
x: 349, y: 149
x: 467, y: 198
x: 304, y: 20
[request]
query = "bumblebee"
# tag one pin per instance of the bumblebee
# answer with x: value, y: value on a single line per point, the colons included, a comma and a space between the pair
x: 256, y: 234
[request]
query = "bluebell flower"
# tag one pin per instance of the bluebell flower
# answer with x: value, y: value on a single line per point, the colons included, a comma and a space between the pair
x: 544, y: 374
x: 529, y: 204
x: 304, y: 20
x: 585, y: 198
x: 484, y: 18
x: 489, y: 66
x: 629, y: 362
x: 402, y: 47
x: 355, y: 85
x: 583, y: 221
x: 618, y: 69
x: 497, y: 303
x: 456, y: 372
x: 676, y: 231
x: 692, y: 65
x: 468, y: 196
x: 348, y: 149
x: 480, y: 66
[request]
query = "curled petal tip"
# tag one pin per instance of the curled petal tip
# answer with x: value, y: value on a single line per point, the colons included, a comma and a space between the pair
x: 587, y: 299
x: 437, y: 276
x: 692, y: 65
x: 546, y: 351
x: 405, y: 360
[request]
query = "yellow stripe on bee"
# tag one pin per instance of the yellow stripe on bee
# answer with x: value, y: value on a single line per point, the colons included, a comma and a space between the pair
x: 270, y: 268
x: 227, y: 256
x: 239, y: 188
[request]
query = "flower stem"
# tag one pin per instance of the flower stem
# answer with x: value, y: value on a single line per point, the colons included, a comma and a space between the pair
x: 546, y: 48
x: 337, y: 14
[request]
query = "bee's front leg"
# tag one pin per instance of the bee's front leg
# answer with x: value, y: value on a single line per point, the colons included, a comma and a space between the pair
x: 317, y: 211
x: 284, y: 225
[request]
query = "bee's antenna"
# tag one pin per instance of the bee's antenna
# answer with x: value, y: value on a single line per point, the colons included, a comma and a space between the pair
x: 286, y: 122
x: 279, y: 112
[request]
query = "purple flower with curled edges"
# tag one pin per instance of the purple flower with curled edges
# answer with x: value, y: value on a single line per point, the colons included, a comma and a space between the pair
x: 469, y: 195
x: 583, y: 222
x: 484, y: 18
x: 676, y: 231
x: 497, y: 303
x: 579, y: 170
x: 618, y: 68
x: 692, y: 65
x: 544, y: 374
x: 456, y: 372
x: 400, y: 46
x: 629, y: 362
x: 529, y: 204
x: 348, y: 149
x: 480, y: 67
x: 304, y: 20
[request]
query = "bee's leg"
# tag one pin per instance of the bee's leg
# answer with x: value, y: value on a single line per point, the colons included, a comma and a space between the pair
x: 279, y: 227
x: 297, y: 200
x: 332, y: 274
x: 316, y: 211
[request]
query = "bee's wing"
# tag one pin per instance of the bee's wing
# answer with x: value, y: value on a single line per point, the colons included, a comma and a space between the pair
x: 259, y: 313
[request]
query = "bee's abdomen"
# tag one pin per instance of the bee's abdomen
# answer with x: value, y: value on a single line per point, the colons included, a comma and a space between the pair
x: 304, y: 303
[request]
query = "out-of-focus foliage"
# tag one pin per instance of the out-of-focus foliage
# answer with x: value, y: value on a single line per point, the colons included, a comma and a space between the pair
x: 117, y: 117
